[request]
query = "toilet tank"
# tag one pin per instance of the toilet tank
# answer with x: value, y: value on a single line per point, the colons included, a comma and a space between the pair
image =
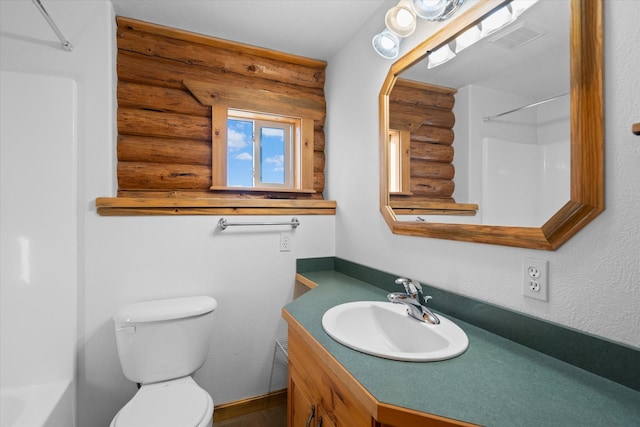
x: 164, y: 339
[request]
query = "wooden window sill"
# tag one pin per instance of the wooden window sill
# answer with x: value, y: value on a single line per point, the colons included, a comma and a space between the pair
x: 264, y: 189
x: 135, y: 206
x: 433, y: 208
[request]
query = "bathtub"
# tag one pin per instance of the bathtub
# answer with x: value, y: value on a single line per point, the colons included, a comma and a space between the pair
x: 43, y: 405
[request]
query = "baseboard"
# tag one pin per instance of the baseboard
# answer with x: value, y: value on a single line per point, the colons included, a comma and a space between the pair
x: 246, y: 406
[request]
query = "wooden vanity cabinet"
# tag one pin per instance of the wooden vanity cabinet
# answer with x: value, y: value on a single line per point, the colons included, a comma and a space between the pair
x: 317, y: 397
x: 322, y: 393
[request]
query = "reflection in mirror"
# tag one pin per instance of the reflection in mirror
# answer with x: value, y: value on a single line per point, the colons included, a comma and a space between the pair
x: 506, y: 86
x: 490, y: 125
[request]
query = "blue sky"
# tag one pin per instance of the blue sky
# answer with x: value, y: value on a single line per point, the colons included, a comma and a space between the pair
x: 240, y: 154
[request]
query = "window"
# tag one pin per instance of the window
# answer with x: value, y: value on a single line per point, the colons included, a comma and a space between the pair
x: 399, y: 162
x: 259, y: 151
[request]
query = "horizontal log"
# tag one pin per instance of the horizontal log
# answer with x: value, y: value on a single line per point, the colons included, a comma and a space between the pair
x: 231, y: 59
x: 426, y: 169
x: 433, y: 134
x: 151, y: 123
x: 162, y: 72
x: 433, y: 152
x: 155, y: 98
x: 224, y: 91
x: 426, y: 86
x: 421, y: 98
x: 190, y: 37
x: 409, y: 117
x: 163, y: 150
x: 440, y: 188
x: 148, y: 176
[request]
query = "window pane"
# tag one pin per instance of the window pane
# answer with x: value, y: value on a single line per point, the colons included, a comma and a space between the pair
x: 272, y: 155
x: 239, y: 153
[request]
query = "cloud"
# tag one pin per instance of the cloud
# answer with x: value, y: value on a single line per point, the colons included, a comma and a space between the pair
x: 276, y: 161
x: 236, y: 140
x: 266, y: 131
x: 243, y: 156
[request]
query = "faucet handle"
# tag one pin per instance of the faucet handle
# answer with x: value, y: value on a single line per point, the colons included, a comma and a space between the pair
x: 411, y: 287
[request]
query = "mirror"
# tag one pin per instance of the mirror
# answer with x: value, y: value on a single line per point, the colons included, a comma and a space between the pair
x: 473, y: 193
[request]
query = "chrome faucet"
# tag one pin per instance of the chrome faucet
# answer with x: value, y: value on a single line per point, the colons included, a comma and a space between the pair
x: 413, y: 298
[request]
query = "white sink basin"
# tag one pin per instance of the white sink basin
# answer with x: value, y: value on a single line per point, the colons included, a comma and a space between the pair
x: 385, y: 330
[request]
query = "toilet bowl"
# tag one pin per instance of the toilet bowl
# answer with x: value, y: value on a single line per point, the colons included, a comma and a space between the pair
x: 160, y: 344
x: 175, y: 403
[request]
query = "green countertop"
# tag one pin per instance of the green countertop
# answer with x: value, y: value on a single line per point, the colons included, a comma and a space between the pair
x: 496, y: 382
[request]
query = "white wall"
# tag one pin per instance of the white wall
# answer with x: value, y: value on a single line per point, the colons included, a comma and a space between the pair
x: 593, y: 278
x: 126, y: 259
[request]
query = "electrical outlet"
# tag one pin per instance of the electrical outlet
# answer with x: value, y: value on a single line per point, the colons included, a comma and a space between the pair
x: 535, y: 278
x: 285, y: 241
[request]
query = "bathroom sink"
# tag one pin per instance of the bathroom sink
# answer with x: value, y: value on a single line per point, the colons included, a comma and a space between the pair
x: 385, y: 330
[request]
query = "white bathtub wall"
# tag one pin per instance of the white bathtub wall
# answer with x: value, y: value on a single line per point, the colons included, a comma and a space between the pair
x: 511, y: 176
x: 38, y: 211
x: 554, y: 135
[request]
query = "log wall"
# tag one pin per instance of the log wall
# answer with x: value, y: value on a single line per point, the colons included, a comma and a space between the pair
x: 427, y: 113
x: 164, y: 133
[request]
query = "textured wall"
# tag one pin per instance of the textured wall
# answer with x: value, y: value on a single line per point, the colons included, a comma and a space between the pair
x: 593, y: 277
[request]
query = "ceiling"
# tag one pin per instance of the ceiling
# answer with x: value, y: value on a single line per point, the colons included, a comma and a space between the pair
x: 311, y: 28
x: 536, y: 69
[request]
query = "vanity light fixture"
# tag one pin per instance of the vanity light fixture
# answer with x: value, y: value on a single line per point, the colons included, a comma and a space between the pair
x: 400, y: 19
x: 497, y: 20
x: 519, y: 6
x: 400, y: 22
x: 440, y: 56
x: 491, y: 24
x: 466, y: 39
x: 435, y: 10
x: 387, y: 44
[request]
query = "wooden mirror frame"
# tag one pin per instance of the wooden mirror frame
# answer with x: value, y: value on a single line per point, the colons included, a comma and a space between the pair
x: 587, y: 137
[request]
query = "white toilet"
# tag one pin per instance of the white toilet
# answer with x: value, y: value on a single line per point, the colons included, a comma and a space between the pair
x: 160, y: 344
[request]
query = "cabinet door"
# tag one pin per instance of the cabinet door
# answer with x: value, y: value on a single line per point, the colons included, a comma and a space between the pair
x: 302, y: 408
x: 323, y: 419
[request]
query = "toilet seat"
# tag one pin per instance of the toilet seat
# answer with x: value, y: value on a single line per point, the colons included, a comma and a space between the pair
x: 176, y: 403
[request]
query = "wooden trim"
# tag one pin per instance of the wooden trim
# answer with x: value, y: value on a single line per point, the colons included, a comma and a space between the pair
x: 237, y: 408
x: 306, y: 153
x: 218, y: 91
x: 219, y: 116
x: 305, y: 281
x: 635, y: 128
x: 409, y: 204
x: 263, y: 189
x: 216, y: 42
x: 121, y: 206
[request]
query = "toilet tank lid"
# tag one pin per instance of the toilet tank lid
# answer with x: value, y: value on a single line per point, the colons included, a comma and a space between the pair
x: 165, y: 309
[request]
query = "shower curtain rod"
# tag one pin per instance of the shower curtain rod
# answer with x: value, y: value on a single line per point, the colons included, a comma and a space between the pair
x: 66, y: 45
x: 542, y: 101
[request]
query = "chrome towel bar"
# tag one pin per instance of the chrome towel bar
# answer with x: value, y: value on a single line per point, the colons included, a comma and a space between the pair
x: 223, y: 223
